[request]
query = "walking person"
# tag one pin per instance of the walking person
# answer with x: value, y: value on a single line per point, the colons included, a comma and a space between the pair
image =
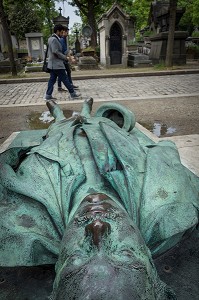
x: 66, y: 62
x: 56, y: 64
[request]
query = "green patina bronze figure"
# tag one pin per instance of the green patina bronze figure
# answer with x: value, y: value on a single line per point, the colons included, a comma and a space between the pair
x: 100, y: 200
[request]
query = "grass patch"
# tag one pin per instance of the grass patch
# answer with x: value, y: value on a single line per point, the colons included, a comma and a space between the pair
x: 159, y: 67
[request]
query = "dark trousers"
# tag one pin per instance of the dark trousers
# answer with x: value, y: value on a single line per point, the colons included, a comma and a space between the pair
x: 61, y: 74
x: 68, y: 71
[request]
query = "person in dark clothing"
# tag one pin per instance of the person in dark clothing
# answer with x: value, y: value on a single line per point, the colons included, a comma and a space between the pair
x: 66, y: 63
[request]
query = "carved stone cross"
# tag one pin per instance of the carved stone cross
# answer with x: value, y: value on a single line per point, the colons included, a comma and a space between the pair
x: 60, y: 9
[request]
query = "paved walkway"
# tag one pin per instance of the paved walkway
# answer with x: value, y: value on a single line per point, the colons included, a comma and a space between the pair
x: 126, y: 88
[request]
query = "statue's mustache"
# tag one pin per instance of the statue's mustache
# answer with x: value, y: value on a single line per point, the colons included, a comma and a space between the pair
x: 90, y: 217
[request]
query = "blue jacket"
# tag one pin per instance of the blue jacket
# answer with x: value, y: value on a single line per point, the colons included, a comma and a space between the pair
x: 64, y: 45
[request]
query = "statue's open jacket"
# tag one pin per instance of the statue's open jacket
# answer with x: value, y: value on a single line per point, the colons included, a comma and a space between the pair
x: 39, y: 187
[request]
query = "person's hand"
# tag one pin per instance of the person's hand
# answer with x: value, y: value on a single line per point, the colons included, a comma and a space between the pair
x: 72, y: 60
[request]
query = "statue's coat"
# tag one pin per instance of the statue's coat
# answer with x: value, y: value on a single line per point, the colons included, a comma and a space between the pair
x: 36, y: 197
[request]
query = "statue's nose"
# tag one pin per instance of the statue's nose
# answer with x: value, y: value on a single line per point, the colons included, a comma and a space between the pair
x: 97, y: 229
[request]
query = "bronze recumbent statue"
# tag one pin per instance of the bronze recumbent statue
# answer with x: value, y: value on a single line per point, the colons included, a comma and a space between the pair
x: 100, y: 200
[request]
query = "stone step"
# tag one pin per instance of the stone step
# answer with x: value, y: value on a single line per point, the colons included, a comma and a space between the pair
x: 139, y: 60
x: 88, y: 63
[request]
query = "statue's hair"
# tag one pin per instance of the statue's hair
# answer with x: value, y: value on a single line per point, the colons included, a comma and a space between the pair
x: 97, y: 282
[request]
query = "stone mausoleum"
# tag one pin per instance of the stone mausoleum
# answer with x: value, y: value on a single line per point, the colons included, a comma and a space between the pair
x: 116, y: 30
x: 159, y: 23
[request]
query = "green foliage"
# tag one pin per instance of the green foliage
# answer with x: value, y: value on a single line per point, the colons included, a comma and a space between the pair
x: 88, y: 49
x: 47, y: 13
x: 159, y: 67
x: 99, y: 7
x: 190, y: 19
x: 72, y: 34
x: 195, y: 17
x: 192, y: 51
x: 131, y: 43
x: 193, y: 47
x: 148, y: 33
x: 138, y: 36
x: 140, y: 9
x: 33, y: 16
x: 96, y: 8
x: 195, y: 34
x: 97, y: 49
x: 90, y: 10
x: 24, y: 20
x: 37, y: 15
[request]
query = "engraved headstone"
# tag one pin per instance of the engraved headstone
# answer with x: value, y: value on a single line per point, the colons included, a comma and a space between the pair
x: 35, y: 45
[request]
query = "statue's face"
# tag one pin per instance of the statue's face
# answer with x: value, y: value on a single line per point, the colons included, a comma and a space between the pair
x: 103, y: 245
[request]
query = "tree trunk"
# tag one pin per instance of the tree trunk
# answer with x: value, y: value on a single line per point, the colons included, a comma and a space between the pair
x: 92, y: 23
x: 4, y: 23
x: 170, y: 41
x: 88, y: 9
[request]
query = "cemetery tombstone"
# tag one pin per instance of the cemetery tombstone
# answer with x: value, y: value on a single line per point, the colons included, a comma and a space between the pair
x: 23, y: 49
x: 35, y: 45
x: 77, y: 43
x: 87, y: 61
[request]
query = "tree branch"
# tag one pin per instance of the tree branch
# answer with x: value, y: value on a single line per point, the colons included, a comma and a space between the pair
x: 82, y: 7
x: 79, y: 4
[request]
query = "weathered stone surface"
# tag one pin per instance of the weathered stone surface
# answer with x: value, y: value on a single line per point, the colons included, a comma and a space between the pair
x: 87, y: 63
x: 159, y: 47
x: 139, y: 60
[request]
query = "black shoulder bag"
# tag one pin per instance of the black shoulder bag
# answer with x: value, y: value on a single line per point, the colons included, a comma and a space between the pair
x: 45, y: 64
